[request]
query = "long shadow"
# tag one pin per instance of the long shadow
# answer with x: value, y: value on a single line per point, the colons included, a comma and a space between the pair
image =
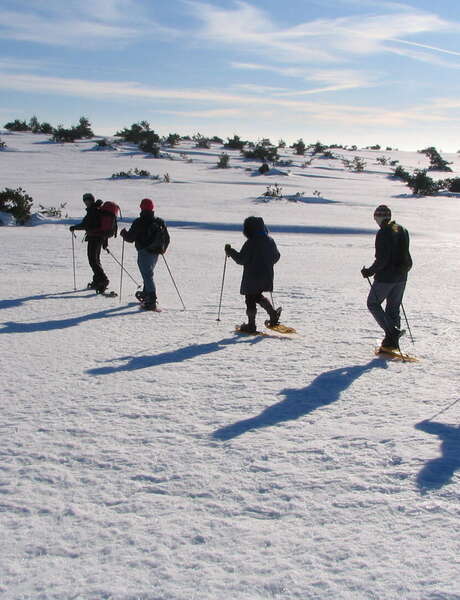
x: 323, y: 390
x: 133, y: 363
x: 17, y: 327
x: 308, y: 229
x: 15, y: 302
x: 439, y: 471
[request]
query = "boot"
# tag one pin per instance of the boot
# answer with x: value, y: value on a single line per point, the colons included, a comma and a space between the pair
x: 274, y: 317
x: 101, y: 286
x: 140, y: 296
x: 391, y: 339
x: 150, y: 302
x: 250, y: 326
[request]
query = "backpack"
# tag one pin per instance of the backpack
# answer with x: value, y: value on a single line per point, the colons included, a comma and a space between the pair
x: 108, y: 225
x: 158, y: 237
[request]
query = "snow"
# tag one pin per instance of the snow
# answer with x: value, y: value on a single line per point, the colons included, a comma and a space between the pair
x: 161, y: 456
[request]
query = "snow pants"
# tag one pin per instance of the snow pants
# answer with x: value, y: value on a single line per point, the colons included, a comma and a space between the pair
x: 94, y: 259
x: 146, y: 261
x: 393, y: 294
x: 252, y: 300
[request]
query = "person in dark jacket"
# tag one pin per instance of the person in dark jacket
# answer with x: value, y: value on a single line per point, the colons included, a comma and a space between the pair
x: 389, y: 269
x: 151, y: 238
x: 258, y: 256
x: 96, y: 241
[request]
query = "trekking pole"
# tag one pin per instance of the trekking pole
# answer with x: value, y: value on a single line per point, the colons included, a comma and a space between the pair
x: 370, y: 284
x: 121, y: 270
x: 222, y: 288
x: 407, y: 323
x: 73, y: 261
x: 172, y: 279
x: 444, y: 410
x: 119, y: 263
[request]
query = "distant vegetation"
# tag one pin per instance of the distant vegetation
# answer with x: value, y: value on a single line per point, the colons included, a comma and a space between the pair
x: 16, y: 202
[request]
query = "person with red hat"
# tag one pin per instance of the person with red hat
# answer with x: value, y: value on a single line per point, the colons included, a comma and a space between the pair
x: 389, y: 269
x: 151, y: 238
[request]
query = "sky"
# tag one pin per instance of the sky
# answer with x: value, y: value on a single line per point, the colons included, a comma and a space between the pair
x: 349, y: 72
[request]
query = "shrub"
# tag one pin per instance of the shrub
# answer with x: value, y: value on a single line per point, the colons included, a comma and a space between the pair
x: 201, y: 141
x: 17, y: 125
x: 317, y: 148
x: 63, y: 135
x: 216, y: 140
x: 137, y: 133
x: 422, y: 185
x: 46, y: 128
x: 357, y: 165
x: 34, y: 125
x: 52, y: 211
x: 264, y: 168
x: 133, y: 173
x: 452, y: 185
x: 299, y: 147
x: 328, y: 154
x: 437, y: 163
x: 281, y: 144
x: 235, y: 143
x: 273, y: 191
x: 150, y: 144
x: 262, y: 152
x: 172, y: 140
x: 83, y: 129
x: 17, y: 202
x: 223, y: 161
x: 401, y: 173
x: 2, y: 145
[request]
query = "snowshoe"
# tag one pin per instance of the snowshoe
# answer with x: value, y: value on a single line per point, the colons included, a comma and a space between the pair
x: 247, y: 328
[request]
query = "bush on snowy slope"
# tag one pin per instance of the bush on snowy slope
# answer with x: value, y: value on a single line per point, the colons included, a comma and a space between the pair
x: 2, y: 145
x: 17, y: 202
x: 437, y: 163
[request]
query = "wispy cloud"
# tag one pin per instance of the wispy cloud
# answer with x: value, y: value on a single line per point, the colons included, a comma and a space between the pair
x: 76, y: 22
x: 217, y: 103
x: 320, y: 40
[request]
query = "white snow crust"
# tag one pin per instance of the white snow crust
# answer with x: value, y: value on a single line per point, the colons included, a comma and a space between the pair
x: 161, y: 456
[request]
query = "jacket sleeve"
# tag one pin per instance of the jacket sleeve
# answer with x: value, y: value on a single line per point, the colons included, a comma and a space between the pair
x: 130, y: 235
x: 241, y: 257
x: 82, y: 225
x: 382, y: 253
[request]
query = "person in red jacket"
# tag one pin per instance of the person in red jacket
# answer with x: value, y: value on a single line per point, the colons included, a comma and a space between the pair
x: 389, y: 269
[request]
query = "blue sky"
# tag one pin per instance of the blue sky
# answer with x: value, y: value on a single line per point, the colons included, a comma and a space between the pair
x: 340, y: 71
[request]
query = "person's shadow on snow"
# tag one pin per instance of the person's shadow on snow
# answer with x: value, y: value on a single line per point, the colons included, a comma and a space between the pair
x: 323, y: 390
x: 439, y: 471
x: 133, y: 363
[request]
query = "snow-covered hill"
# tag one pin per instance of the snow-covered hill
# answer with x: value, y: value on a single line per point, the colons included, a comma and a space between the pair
x: 162, y: 456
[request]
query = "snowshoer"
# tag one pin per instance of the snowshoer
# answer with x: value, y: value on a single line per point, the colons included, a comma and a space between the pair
x: 96, y: 240
x: 258, y: 256
x: 151, y: 238
x: 390, y: 267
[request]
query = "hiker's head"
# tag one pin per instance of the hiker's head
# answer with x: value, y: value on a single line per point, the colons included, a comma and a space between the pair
x: 147, y: 205
x: 382, y: 214
x: 88, y: 199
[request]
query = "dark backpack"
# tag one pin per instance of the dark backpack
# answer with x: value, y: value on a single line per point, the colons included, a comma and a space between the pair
x: 108, y: 224
x: 158, y: 237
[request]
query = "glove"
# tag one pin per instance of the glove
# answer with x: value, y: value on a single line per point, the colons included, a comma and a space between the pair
x: 227, y: 249
x: 72, y: 228
x: 366, y: 272
x: 123, y: 233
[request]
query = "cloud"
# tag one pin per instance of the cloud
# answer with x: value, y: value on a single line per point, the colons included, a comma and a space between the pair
x: 216, y: 103
x: 320, y: 40
x: 76, y: 23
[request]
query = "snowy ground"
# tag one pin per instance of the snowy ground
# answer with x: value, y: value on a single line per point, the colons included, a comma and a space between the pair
x: 161, y: 456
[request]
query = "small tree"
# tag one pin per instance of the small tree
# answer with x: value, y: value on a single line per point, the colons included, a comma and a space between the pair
x: 223, y: 161
x: 422, y: 185
x: 172, y: 140
x: 235, y: 143
x: 299, y: 147
x: 63, y: 135
x: 201, y: 141
x: 137, y: 133
x: 83, y: 129
x: 150, y: 144
x: 401, y: 173
x: 437, y: 163
x: 357, y: 165
x: 318, y: 148
x: 262, y: 152
x: 17, y: 125
x: 17, y: 202
x: 34, y: 125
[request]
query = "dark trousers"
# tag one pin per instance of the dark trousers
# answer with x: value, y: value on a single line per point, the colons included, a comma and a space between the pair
x: 94, y: 259
x: 252, y: 300
x: 393, y: 294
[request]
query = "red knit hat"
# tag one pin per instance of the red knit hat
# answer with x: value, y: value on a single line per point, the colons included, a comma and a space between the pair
x: 147, y: 204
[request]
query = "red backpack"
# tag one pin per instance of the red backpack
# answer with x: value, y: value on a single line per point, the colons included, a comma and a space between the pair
x: 108, y: 219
